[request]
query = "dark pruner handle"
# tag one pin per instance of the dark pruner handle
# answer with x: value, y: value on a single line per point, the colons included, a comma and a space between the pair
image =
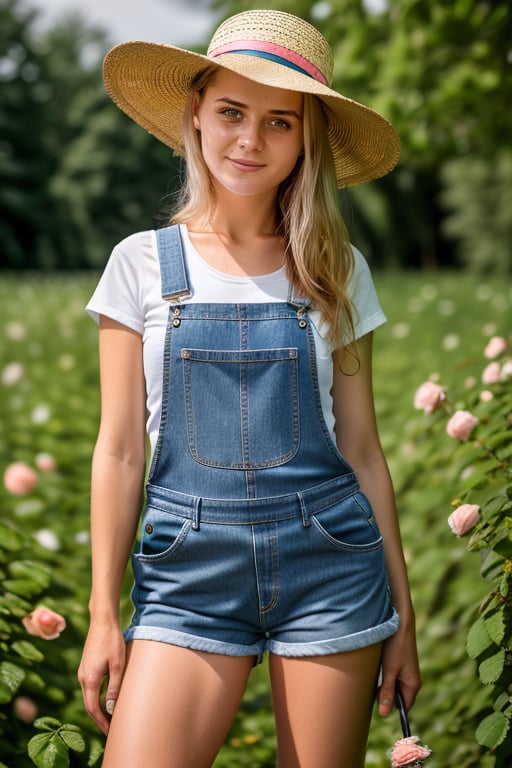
x: 404, y: 720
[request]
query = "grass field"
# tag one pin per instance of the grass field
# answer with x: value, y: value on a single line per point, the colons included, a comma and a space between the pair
x: 438, y: 325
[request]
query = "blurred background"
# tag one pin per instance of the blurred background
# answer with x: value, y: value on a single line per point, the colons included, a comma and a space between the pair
x: 76, y: 175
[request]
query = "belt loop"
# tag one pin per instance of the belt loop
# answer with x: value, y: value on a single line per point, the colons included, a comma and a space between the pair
x: 196, y: 513
x: 304, y: 511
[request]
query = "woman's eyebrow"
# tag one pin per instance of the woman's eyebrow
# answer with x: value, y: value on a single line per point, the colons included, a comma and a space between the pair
x: 241, y: 105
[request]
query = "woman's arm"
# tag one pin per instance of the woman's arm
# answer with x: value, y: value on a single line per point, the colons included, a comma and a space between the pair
x: 116, y: 491
x: 358, y: 441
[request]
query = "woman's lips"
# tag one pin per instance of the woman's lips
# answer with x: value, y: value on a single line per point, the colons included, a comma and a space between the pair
x: 245, y: 165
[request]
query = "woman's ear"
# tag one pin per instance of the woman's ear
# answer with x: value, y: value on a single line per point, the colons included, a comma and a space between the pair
x: 195, y: 109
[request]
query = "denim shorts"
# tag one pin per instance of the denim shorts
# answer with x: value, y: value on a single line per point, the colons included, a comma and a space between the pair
x: 298, y: 575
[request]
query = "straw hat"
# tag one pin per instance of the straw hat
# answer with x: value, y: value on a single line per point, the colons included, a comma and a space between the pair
x: 151, y: 81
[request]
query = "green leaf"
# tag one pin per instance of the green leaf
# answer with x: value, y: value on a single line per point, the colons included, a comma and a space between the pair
x: 47, y: 750
x: 11, y: 677
x: 478, y: 639
x: 47, y: 723
x: 492, y: 731
x: 95, y: 753
x: 502, y: 701
x: 495, y: 625
x: 72, y: 736
x: 10, y: 538
x: 23, y: 587
x: 26, y: 569
x: 490, y: 669
x: 27, y: 650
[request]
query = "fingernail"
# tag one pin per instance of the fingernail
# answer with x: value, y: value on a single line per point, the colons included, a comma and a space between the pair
x: 385, y: 702
x: 109, y: 706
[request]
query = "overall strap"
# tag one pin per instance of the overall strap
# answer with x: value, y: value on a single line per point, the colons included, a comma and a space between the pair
x: 175, y: 284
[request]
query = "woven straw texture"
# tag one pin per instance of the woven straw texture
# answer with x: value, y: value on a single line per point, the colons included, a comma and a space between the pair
x: 150, y: 82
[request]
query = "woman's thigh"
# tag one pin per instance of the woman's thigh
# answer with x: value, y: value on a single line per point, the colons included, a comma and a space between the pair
x: 175, y: 706
x: 323, y: 707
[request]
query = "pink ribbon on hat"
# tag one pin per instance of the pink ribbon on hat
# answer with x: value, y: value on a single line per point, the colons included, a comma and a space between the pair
x: 273, y: 52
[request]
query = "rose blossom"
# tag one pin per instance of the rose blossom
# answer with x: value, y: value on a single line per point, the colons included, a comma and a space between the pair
x: 495, y: 347
x: 464, y: 518
x: 429, y: 396
x: 25, y: 709
x: 19, y: 478
x: 43, y: 622
x: 461, y: 424
x: 45, y: 462
x: 485, y: 396
x: 408, y: 751
x: 506, y: 371
x: 491, y: 374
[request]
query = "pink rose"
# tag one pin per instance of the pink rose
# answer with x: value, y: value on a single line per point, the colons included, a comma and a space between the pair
x: 43, y: 622
x: 506, y: 370
x: 464, y: 518
x: 429, y: 397
x: 492, y: 373
x: 45, y: 462
x: 408, y: 751
x: 461, y: 424
x: 485, y: 396
x: 25, y: 709
x: 19, y: 478
x: 495, y: 347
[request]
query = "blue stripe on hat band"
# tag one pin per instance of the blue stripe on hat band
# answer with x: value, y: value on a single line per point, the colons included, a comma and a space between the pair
x: 273, y: 57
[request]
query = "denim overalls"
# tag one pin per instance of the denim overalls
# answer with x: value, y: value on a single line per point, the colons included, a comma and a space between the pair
x: 255, y: 533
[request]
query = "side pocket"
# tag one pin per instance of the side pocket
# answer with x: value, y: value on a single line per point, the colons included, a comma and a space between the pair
x: 162, y: 534
x: 349, y: 525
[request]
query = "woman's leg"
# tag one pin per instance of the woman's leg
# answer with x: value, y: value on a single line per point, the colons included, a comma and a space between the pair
x: 323, y: 707
x: 175, y: 706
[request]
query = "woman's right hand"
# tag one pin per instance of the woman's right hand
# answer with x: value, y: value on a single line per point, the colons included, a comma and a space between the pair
x: 103, y: 657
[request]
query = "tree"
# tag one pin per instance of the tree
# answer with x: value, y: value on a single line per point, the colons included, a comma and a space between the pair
x: 77, y: 174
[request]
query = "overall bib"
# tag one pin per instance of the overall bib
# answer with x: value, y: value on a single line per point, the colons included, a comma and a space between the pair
x: 255, y: 534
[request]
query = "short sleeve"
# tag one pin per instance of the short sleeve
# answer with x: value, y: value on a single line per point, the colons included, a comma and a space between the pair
x: 119, y: 292
x: 368, y: 313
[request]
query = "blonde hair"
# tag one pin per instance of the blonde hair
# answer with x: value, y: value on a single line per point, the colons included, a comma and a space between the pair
x: 319, y: 259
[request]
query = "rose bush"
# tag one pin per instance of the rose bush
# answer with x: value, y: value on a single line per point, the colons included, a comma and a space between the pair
x: 488, y: 477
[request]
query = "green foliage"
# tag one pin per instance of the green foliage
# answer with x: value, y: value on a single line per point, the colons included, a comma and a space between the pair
x: 44, y: 555
x: 75, y: 174
x: 478, y: 192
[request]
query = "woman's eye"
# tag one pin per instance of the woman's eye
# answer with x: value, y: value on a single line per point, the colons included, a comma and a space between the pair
x: 279, y: 123
x: 231, y: 112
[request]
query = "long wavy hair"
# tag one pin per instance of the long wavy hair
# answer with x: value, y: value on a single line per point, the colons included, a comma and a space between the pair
x: 319, y: 258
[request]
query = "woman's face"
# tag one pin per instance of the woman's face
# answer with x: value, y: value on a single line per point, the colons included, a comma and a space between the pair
x: 251, y: 135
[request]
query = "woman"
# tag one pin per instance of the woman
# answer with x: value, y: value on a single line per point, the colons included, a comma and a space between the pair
x: 239, y: 341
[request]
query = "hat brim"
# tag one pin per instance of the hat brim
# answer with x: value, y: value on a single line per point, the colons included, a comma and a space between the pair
x: 150, y: 82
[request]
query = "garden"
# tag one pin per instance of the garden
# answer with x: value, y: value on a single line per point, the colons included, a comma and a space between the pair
x: 437, y: 234
x: 442, y: 381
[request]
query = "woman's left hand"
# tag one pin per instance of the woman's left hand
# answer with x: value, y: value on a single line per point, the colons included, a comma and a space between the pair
x: 399, y: 662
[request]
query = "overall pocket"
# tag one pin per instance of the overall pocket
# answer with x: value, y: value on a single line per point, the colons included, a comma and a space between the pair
x: 242, y: 406
x: 349, y: 525
x: 162, y: 535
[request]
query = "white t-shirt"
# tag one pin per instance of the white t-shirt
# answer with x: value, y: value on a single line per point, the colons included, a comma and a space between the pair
x: 129, y: 291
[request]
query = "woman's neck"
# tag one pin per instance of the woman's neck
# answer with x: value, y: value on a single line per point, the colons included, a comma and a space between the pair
x: 240, y: 238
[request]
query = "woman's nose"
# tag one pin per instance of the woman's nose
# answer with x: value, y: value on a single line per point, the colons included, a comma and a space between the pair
x: 250, y: 137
